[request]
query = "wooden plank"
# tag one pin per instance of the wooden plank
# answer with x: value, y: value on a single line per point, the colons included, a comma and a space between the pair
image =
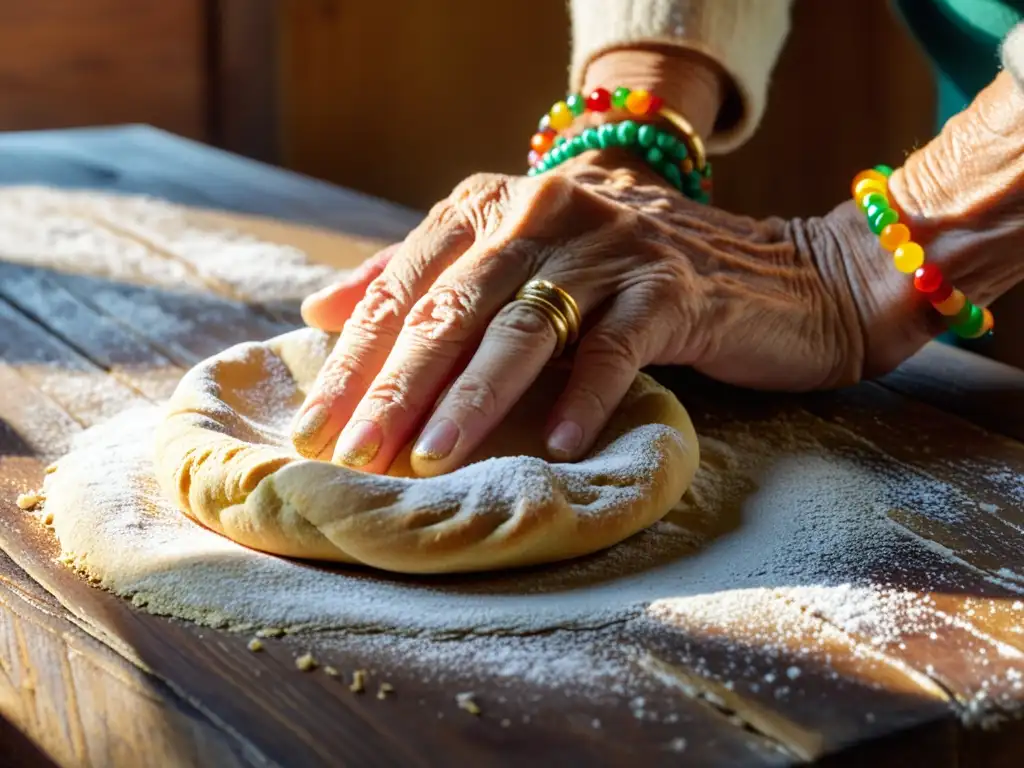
x: 75, y: 700
x: 966, y: 629
x: 983, y: 391
x: 185, y: 326
x: 844, y: 701
x: 79, y: 386
x: 311, y: 718
x: 101, y: 339
x: 146, y: 161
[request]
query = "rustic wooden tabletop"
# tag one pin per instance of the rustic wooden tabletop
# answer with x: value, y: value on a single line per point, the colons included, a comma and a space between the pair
x: 86, y: 679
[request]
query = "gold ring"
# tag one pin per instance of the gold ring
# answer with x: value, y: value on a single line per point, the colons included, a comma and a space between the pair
x: 560, y: 298
x: 556, y: 295
x: 554, y: 315
x: 690, y: 136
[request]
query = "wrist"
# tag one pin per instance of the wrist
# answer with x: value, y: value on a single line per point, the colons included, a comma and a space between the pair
x: 962, y: 195
x: 688, y: 82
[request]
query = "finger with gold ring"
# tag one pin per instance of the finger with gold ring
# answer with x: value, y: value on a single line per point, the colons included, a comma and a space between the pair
x: 554, y: 315
x: 552, y: 293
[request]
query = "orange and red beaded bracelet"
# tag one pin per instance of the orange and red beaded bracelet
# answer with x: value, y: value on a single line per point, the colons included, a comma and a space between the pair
x: 690, y: 171
x: 871, y: 191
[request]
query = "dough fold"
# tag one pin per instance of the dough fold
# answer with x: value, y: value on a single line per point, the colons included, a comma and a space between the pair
x: 223, y: 454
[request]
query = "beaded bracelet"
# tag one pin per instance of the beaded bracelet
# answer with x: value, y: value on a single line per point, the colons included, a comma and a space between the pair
x: 871, y: 191
x: 659, y: 149
x: 687, y: 156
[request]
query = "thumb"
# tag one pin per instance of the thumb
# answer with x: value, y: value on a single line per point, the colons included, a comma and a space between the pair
x: 329, y: 308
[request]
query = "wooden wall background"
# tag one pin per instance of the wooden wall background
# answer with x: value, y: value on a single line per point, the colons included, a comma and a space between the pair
x: 405, y: 98
x: 85, y: 62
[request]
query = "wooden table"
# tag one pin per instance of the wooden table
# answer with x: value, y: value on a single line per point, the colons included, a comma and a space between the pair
x: 85, y: 679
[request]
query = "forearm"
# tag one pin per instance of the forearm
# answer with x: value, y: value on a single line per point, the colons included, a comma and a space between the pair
x: 709, y: 59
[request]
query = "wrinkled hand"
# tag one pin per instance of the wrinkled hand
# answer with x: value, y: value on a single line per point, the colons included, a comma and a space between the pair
x: 657, y: 278
x: 773, y: 304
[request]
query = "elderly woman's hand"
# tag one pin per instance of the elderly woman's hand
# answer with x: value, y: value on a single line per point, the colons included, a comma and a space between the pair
x: 774, y: 304
x: 658, y: 279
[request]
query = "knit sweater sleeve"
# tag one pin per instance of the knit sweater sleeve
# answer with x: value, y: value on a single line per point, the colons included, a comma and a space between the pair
x: 743, y: 36
x: 1013, y: 53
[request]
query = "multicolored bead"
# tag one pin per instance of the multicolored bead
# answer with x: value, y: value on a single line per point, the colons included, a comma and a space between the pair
x: 865, y: 175
x: 870, y: 190
x: 561, y: 116
x: 542, y: 142
x: 599, y: 100
x: 893, y: 236
x: 908, y: 257
x: 971, y: 326
x: 638, y: 101
x: 952, y: 304
x: 881, y: 219
x: 664, y: 152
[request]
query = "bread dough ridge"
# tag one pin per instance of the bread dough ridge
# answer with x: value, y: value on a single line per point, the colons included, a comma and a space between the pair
x: 224, y: 455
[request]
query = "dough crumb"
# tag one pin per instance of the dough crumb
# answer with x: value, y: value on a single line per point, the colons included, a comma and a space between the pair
x: 465, y: 701
x: 331, y: 671
x: 51, y: 469
x: 270, y: 632
x: 306, y: 662
x: 30, y: 500
x: 384, y: 690
x: 255, y: 645
x: 358, y: 684
x: 676, y: 745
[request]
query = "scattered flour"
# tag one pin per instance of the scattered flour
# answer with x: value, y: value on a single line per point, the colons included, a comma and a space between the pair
x: 817, y: 527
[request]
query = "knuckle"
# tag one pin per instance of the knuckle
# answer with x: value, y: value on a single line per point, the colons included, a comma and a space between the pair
x: 383, y: 305
x: 590, y: 400
x: 443, y: 315
x: 523, y: 321
x: 604, y: 348
x: 342, y: 373
x: 482, y: 200
x: 477, y: 395
x: 391, y: 394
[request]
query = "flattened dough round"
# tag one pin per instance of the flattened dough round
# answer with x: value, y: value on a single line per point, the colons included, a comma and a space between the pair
x: 224, y: 455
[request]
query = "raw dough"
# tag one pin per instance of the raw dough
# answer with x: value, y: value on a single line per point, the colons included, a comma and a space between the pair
x: 224, y: 455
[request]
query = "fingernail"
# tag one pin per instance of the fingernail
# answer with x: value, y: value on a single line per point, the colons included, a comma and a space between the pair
x: 358, y: 444
x: 565, y: 439
x: 437, y: 441
x: 308, y: 427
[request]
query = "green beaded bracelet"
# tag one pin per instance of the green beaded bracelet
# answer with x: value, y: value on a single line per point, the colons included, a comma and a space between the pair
x: 659, y: 149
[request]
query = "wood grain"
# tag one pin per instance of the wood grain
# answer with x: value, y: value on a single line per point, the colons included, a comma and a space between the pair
x: 244, y: 80
x: 69, y: 63
x: 449, y: 88
x: 79, y: 702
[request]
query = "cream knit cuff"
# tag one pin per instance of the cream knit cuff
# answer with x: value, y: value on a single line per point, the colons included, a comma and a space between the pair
x: 743, y: 36
x: 1013, y: 53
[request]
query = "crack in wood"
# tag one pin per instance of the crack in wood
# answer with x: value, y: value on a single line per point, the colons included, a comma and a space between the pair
x: 217, y: 287
x: 77, y: 349
x: 782, y: 733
